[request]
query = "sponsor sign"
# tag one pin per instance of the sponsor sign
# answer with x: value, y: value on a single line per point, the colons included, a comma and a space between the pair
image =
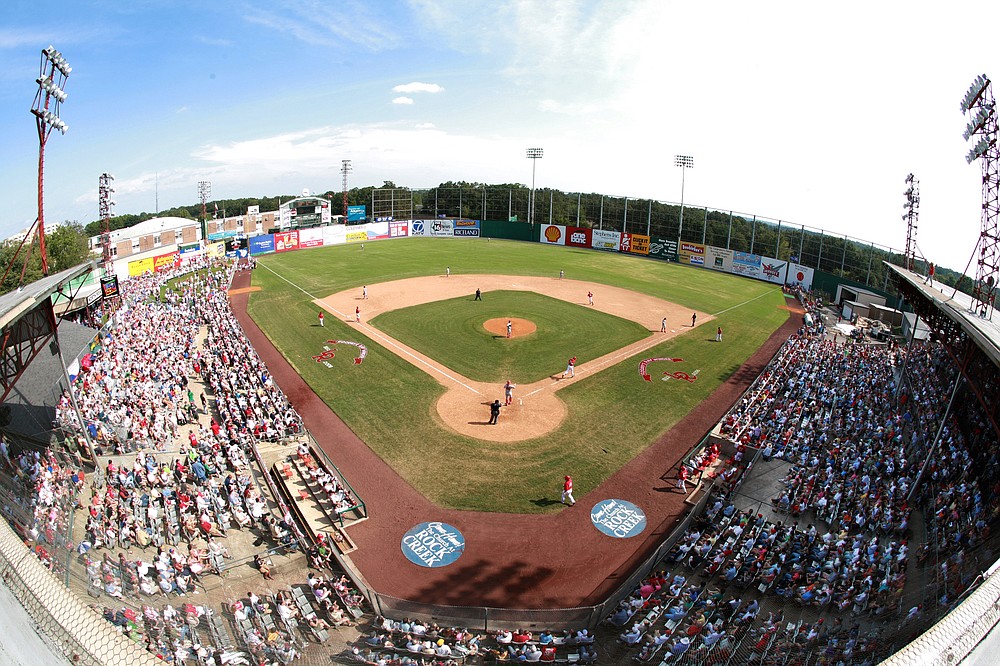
x: 440, y: 228
x: 800, y: 275
x: 189, y: 249
x: 418, y: 228
x: 222, y: 235
x: 356, y: 213
x: 262, y: 244
x: 773, y: 270
x: 433, y: 544
x: 618, y: 518
x: 285, y: 217
x: 746, y: 264
x: 691, y: 253
x: 335, y: 235
x: 165, y: 261
x: 466, y: 228
x: 286, y: 240
x: 109, y: 286
x: 719, y: 259
x: 552, y: 234
x: 215, y: 250
x: 399, y: 229
x: 325, y: 215
x: 356, y: 236
x: 312, y: 237
x: 327, y: 354
x: 639, y: 244
x: 604, y: 240
x: 578, y: 237
x: 377, y: 230
x: 663, y: 248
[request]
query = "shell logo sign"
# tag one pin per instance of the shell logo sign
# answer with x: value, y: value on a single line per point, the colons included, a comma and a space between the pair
x: 553, y: 234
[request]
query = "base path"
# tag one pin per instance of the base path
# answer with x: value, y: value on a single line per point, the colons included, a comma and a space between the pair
x: 536, y: 410
x: 553, y: 560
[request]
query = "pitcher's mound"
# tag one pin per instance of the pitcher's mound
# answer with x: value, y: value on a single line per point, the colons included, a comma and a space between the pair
x: 518, y: 327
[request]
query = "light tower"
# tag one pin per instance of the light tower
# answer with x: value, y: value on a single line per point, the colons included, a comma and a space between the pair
x: 533, y: 154
x: 204, y: 192
x: 345, y: 168
x: 912, y: 208
x: 980, y: 107
x: 52, y: 75
x: 105, y: 208
x: 685, y: 162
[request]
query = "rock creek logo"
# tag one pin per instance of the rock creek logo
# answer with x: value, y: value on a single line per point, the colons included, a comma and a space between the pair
x: 618, y: 518
x: 433, y: 544
x: 328, y: 354
x: 679, y: 374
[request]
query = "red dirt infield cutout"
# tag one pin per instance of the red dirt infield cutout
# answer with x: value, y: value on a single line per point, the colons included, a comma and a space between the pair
x: 518, y: 328
x: 553, y: 560
x: 243, y: 290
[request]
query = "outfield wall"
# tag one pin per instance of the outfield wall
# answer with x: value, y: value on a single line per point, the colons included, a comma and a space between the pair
x: 757, y: 267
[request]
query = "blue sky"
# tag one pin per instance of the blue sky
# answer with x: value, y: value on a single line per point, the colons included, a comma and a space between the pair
x: 805, y: 112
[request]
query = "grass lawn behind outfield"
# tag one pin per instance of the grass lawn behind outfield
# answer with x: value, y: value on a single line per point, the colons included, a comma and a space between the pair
x: 452, y: 332
x: 612, y: 415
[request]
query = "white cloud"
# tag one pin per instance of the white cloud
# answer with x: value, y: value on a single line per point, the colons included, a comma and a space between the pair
x: 182, y: 109
x: 418, y: 87
x: 326, y: 24
x: 402, y: 100
x: 425, y: 126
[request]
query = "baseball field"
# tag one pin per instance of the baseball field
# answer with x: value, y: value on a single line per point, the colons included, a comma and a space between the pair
x: 435, y: 357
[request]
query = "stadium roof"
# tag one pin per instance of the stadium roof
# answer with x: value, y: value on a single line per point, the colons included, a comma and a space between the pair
x: 14, y: 304
x: 150, y: 226
x: 957, y: 307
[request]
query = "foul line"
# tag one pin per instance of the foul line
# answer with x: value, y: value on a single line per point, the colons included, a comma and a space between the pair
x: 375, y: 333
x: 739, y: 305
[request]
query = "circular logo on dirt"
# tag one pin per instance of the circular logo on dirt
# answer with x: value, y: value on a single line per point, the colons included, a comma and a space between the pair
x: 618, y: 518
x: 433, y: 544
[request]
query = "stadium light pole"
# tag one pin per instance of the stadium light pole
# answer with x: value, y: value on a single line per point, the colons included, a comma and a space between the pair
x: 685, y: 162
x: 52, y: 75
x: 533, y: 154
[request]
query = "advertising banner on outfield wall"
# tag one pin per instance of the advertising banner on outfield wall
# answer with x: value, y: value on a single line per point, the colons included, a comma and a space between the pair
x: 773, y: 270
x: 691, y: 253
x: 399, y: 229
x: 356, y: 236
x: 335, y: 235
x: 719, y: 259
x: 578, y: 237
x: 634, y: 243
x: 467, y: 228
x: 800, y: 275
x: 286, y: 240
x: 552, y: 234
x: 312, y: 237
x: 263, y: 244
x: 605, y: 240
x: 746, y: 264
x: 663, y: 248
x: 435, y: 228
x: 377, y: 230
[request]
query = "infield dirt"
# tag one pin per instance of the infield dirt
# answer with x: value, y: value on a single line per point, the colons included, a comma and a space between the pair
x: 536, y: 410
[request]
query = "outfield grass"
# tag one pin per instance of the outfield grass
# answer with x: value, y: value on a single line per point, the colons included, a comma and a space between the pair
x: 452, y: 333
x: 612, y: 416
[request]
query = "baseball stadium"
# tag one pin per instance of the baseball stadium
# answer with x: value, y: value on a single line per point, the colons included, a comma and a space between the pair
x: 748, y: 459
